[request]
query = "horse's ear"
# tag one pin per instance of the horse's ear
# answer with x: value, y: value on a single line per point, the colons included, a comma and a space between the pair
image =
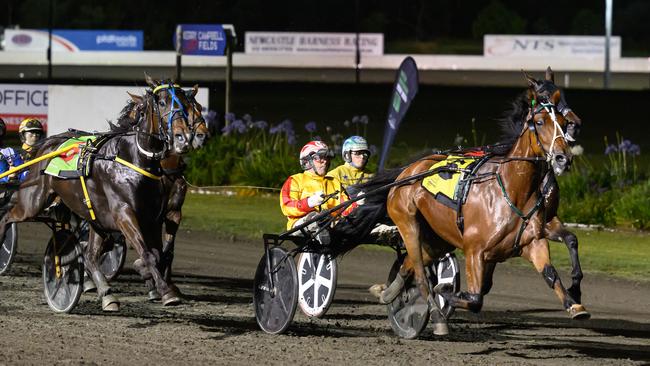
x: 556, y: 97
x: 150, y: 81
x: 193, y: 91
x: 549, y: 75
x: 136, y: 98
x: 531, y: 80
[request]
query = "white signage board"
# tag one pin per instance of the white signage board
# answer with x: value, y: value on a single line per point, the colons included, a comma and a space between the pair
x: 89, y: 108
x: 549, y: 46
x: 20, y: 101
x: 314, y: 43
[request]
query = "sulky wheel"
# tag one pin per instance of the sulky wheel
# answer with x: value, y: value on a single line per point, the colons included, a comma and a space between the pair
x: 275, y: 305
x: 113, y: 257
x: 408, y: 312
x: 8, y: 247
x: 316, y: 283
x: 63, y: 271
x: 447, y: 272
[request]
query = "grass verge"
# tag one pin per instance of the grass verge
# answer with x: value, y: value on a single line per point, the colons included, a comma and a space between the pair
x: 623, y: 254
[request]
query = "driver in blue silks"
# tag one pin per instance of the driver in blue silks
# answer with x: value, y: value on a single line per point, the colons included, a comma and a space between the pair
x: 9, y: 158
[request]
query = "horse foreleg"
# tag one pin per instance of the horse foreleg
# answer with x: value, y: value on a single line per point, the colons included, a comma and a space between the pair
x: 92, y: 253
x: 538, y: 254
x: 472, y: 299
x: 555, y: 231
x: 130, y: 228
x: 487, y: 278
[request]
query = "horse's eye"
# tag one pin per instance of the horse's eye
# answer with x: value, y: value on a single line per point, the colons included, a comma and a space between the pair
x: 161, y: 103
x: 540, y: 121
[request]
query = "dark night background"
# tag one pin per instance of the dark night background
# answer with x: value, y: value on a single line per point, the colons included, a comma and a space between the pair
x: 419, y: 26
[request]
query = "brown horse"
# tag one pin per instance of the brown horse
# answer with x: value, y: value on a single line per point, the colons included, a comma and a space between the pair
x: 124, y: 187
x: 504, y: 210
x: 554, y: 228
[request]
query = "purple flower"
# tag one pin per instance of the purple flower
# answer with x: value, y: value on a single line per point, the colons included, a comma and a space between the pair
x: 317, y: 138
x: 285, y: 126
x: 262, y: 125
x: 291, y: 137
x: 373, y: 149
x: 610, y: 149
x: 210, y: 117
x: 237, y: 126
x: 229, y: 117
x: 634, y: 150
x: 624, y: 145
x: 310, y: 127
x: 247, y: 118
x: 355, y: 120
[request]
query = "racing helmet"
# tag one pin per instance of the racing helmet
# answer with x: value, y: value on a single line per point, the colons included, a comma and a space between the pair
x: 354, y: 143
x: 29, y: 124
x: 311, y: 149
x: 3, y: 128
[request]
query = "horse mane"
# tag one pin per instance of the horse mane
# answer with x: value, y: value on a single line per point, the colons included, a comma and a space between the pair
x: 511, y: 124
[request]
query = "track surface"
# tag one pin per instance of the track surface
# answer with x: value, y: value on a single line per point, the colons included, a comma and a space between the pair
x: 521, y: 323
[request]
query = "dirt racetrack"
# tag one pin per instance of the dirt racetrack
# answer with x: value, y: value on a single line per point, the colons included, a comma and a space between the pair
x: 522, y: 321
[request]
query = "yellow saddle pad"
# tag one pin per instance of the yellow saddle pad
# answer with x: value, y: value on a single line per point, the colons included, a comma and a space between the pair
x: 446, y: 182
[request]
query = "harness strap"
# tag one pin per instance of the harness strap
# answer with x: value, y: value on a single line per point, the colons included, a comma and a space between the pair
x: 136, y: 168
x: 525, y: 217
x: 87, y: 198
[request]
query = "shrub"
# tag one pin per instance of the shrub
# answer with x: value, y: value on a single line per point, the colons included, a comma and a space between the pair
x: 633, y: 208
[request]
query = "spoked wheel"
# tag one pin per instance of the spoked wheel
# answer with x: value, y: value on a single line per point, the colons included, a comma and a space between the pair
x: 446, y: 272
x: 63, y: 271
x: 317, y: 275
x: 275, y: 305
x: 113, y: 258
x: 8, y: 247
x: 409, y: 312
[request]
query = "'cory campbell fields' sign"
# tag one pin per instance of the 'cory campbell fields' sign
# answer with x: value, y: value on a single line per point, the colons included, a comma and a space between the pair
x: 545, y: 46
x: 314, y: 43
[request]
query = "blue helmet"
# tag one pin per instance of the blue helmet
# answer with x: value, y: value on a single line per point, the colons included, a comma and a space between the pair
x: 354, y: 143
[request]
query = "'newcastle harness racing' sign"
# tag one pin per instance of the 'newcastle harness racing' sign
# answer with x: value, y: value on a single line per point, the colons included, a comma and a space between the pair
x: 549, y: 46
x: 314, y: 43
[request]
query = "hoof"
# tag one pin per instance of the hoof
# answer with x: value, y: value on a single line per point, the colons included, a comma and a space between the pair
x: 110, y: 303
x: 171, y: 298
x: 578, y: 312
x: 153, y: 295
x: 440, y: 329
x: 89, y: 286
x: 377, y: 289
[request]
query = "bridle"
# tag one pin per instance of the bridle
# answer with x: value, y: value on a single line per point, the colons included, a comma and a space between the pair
x: 558, y: 132
x: 166, y: 137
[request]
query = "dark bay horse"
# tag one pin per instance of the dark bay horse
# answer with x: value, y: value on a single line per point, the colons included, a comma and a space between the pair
x: 504, y: 211
x: 124, y: 187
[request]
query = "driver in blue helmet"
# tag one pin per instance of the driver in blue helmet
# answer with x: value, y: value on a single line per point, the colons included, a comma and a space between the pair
x: 9, y: 158
x: 355, y: 153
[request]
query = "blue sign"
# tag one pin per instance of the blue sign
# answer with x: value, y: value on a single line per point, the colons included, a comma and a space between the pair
x: 202, y: 39
x: 102, y: 40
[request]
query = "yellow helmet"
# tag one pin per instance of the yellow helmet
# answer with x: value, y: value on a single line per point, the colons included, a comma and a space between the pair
x: 30, y: 124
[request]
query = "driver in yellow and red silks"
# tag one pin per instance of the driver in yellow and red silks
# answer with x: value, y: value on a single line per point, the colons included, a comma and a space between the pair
x: 306, y: 192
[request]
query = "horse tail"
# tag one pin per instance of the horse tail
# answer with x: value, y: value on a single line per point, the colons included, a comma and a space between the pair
x: 351, y: 230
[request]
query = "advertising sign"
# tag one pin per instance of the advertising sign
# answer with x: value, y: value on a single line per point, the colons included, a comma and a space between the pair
x: 404, y: 91
x: 20, y: 101
x: 203, y: 39
x: 549, y: 46
x: 314, y: 43
x: 73, y: 40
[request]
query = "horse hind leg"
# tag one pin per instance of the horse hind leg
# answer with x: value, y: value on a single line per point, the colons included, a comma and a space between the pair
x: 538, y: 254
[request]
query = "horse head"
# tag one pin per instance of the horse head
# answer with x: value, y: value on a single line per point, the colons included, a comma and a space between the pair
x: 199, y: 128
x: 176, y: 114
x: 550, y: 121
